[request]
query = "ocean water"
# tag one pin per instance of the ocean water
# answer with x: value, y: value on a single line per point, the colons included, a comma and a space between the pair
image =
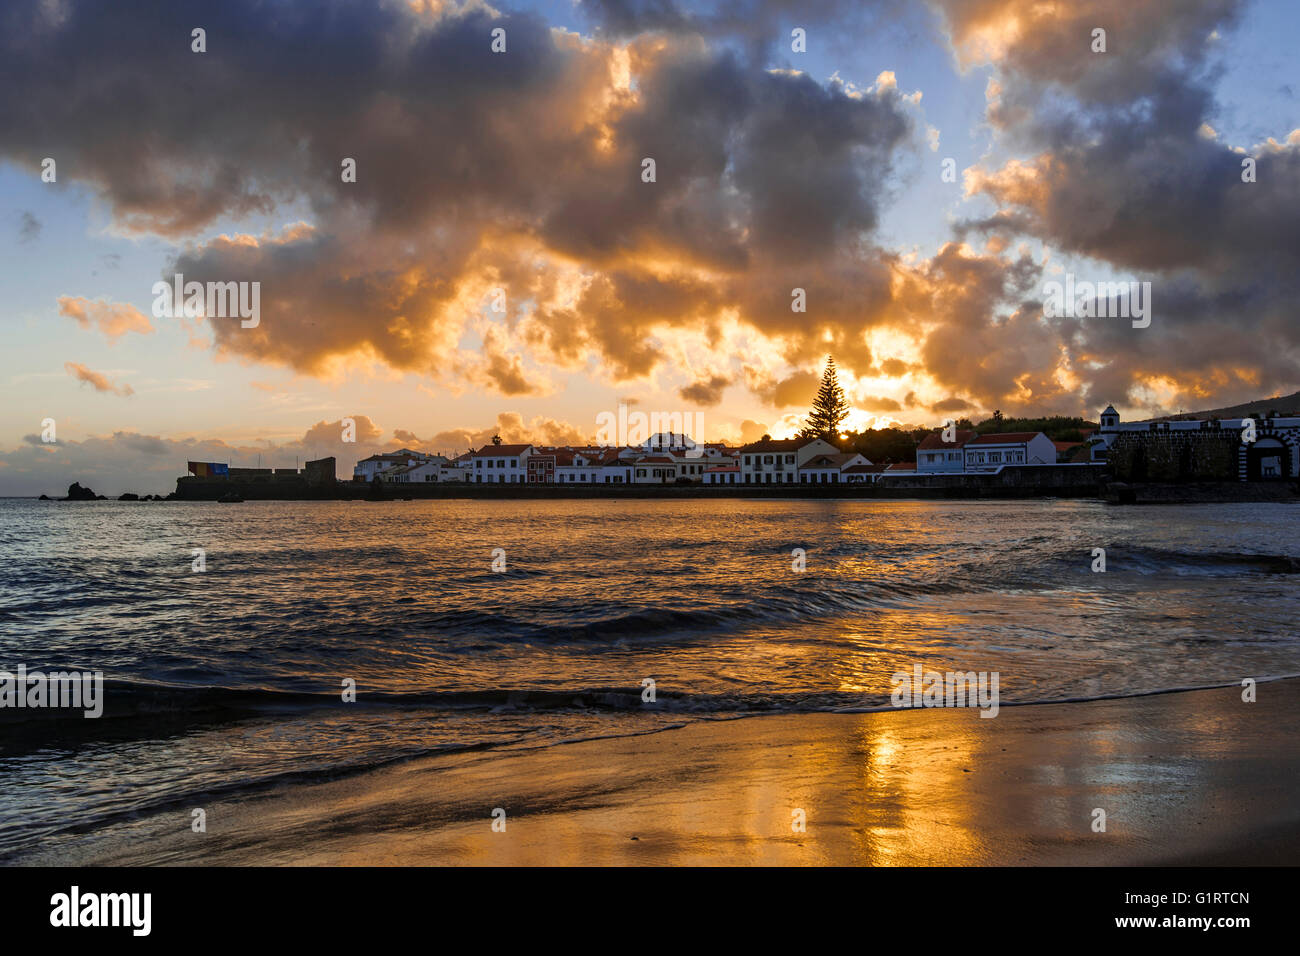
x: 229, y: 681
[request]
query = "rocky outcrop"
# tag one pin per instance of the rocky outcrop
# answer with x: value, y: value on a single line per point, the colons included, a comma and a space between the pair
x: 78, y: 493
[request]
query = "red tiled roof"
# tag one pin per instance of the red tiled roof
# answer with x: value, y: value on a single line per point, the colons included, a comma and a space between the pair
x: 497, y: 451
x: 1006, y: 438
x: 935, y: 440
x: 864, y: 469
x: 1066, y: 445
x: 654, y: 460
x: 721, y: 468
x: 902, y: 466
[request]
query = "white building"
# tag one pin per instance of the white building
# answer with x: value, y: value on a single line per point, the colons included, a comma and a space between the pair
x: 501, y: 464
x: 578, y: 467
x: 440, y: 470
x: 367, y: 468
x: 985, y: 453
x: 692, y: 469
x: 616, y: 466
x: 654, y: 470
x: 936, y: 456
x: 776, y: 461
x: 829, y: 469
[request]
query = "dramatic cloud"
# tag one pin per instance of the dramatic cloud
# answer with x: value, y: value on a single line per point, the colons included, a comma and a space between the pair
x: 97, y: 381
x: 501, y: 228
x: 795, y: 390
x: 1124, y: 169
x: 475, y: 171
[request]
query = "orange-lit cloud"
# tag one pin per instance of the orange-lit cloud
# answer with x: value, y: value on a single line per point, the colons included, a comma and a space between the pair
x: 96, y: 380
x: 112, y: 319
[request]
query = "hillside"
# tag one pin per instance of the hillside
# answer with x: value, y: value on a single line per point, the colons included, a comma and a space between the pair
x: 1055, y: 427
x: 1282, y: 404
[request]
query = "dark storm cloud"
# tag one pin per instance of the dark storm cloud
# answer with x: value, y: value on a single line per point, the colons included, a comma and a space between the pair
x: 474, y: 170
x: 1126, y: 170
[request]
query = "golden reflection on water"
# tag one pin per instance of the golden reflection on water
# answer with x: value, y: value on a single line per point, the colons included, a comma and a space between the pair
x: 931, y: 787
x: 599, y: 595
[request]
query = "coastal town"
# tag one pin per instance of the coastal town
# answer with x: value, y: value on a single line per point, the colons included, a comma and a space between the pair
x: 994, y: 457
x: 1243, y: 449
x: 676, y: 459
x: 1255, y: 457
x: 816, y: 456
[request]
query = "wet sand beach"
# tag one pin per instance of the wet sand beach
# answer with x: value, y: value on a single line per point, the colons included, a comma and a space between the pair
x: 1185, y: 777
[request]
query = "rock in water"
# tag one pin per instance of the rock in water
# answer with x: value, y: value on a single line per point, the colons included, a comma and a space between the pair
x: 78, y: 493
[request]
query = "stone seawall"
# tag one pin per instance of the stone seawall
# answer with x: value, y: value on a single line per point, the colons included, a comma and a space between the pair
x: 1013, y: 481
x: 1199, y: 492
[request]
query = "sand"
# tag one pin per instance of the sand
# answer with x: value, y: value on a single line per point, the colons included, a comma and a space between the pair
x: 1195, y: 777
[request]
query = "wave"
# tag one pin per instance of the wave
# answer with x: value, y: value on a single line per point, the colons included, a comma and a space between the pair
x: 18, y: 838
x: 1168, y: 560
x: 126, y: 700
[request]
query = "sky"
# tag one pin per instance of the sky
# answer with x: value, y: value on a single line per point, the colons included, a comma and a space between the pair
x: 500, y: 265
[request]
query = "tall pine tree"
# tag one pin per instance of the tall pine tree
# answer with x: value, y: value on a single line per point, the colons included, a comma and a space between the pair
x: 829, y: 408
